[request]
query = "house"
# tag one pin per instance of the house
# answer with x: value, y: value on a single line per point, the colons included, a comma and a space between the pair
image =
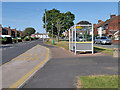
x: 40, y: 35
x: 97, y: 29
x: 66, y: 34
x: 8, y: 31
x: 109, y: 27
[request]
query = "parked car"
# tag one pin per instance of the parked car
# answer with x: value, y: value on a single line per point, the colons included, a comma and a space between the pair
x: 80, y: 39
x: 102, y: 40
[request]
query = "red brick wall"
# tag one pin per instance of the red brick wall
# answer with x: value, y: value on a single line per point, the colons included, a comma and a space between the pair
x: 20, y: 33
x: 96, y: 26
x: 9, y: 31
x: 115, y: 41
x: 15, y: 31
x: 113, y: 25
x: 95, y: 29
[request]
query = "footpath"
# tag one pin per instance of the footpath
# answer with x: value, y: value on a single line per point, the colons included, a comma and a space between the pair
x: 63, y: 68
x: 20, y: 69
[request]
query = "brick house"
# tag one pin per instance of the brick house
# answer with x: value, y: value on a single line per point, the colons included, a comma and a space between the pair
x: 96, y: 26
x: 9, y: 31
x: 109, y: 27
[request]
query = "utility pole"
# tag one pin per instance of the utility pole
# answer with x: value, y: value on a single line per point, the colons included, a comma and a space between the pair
x: 45, y: 23
x: 52, y: 31
x: 43, y: 35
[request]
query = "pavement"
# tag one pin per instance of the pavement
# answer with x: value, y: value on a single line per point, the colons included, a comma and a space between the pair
x: 24, y: 66
x: 63, y: 68
x: 10, y: 51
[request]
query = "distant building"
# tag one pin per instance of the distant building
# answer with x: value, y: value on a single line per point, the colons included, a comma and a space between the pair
x: 40, y: 35
x: 8, y: 31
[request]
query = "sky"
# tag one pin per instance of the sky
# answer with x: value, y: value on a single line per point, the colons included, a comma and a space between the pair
x: 21, y: 15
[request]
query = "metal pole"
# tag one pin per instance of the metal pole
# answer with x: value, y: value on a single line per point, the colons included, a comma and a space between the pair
x: 75, y: 39
x: 72, y: 38
x: 92, y: 40
x: 52, y: 32
x: 45, y: 22
x: 69, y: 39
x: 42, y: 35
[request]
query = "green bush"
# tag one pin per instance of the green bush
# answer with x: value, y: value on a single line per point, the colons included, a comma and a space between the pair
x: 22, y: 37
x: 19, y: 40
x: 113, y: 38
x: 26, y: 39
x: 4, y: 40
x: 14, y: 40
x: 35, y: 38
x: 47, y: 40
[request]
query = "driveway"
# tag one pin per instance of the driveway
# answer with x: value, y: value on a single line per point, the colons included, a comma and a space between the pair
x: 63, y: 68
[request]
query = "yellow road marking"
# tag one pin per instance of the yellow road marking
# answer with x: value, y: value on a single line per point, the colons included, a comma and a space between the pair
x: 101, y: 47
x: 20, y: 81
x: 17, y: 56
x: 81, y: 42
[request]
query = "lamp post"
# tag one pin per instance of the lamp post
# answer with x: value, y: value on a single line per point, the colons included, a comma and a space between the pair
x: 52, y: 33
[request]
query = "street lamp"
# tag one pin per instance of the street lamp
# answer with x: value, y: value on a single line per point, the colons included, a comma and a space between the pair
x: 52, y: 34
x: 52, y: 31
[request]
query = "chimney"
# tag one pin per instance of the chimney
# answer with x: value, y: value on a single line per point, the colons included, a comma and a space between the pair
x: 9, y: 27
x: 99, y: 21
x: 112, y: 16
x: 94, y: 25
x: 15, y: 29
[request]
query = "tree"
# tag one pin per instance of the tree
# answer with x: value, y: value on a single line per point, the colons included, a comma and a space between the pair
x: 28, y: 31
x: 52, y: 18
x: 59, y: 25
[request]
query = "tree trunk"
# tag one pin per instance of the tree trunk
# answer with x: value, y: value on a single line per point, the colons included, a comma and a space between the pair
x: 57, y: 38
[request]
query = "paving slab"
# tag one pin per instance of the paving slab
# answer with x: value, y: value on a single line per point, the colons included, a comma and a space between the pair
x: 21, y: 65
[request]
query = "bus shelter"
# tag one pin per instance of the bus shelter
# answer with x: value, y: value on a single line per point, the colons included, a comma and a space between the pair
x: 81, y: 38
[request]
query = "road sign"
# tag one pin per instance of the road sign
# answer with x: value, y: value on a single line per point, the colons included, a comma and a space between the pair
x: 77, y: 27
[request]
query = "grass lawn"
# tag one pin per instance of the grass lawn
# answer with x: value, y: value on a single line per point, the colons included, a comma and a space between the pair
x: 61, y: 43
x: 65, y: 44
x: 103, y: 50
x: 100, y: 81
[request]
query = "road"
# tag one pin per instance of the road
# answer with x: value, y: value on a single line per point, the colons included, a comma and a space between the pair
x: 107, y: 46
x: 11, y: 51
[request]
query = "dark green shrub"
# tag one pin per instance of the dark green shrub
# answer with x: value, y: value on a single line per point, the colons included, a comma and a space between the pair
x: 26, y: 39
x: 19, y: 40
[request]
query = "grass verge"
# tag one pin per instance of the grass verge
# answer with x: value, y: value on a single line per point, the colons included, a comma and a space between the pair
x: 103, y: 50
x: 61, y: 43
x: 100, y: 81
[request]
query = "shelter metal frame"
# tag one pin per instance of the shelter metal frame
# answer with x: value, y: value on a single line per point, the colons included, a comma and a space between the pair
x: 73, y: 44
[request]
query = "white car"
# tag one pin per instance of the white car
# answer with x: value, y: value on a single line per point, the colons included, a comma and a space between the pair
x: 102, y: 40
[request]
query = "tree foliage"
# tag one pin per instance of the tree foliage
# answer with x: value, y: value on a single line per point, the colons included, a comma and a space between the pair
x: 53, y: 16
x: 28, y: 31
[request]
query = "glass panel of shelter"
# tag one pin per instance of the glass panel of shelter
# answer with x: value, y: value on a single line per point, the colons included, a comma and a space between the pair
x: 83, y: 33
